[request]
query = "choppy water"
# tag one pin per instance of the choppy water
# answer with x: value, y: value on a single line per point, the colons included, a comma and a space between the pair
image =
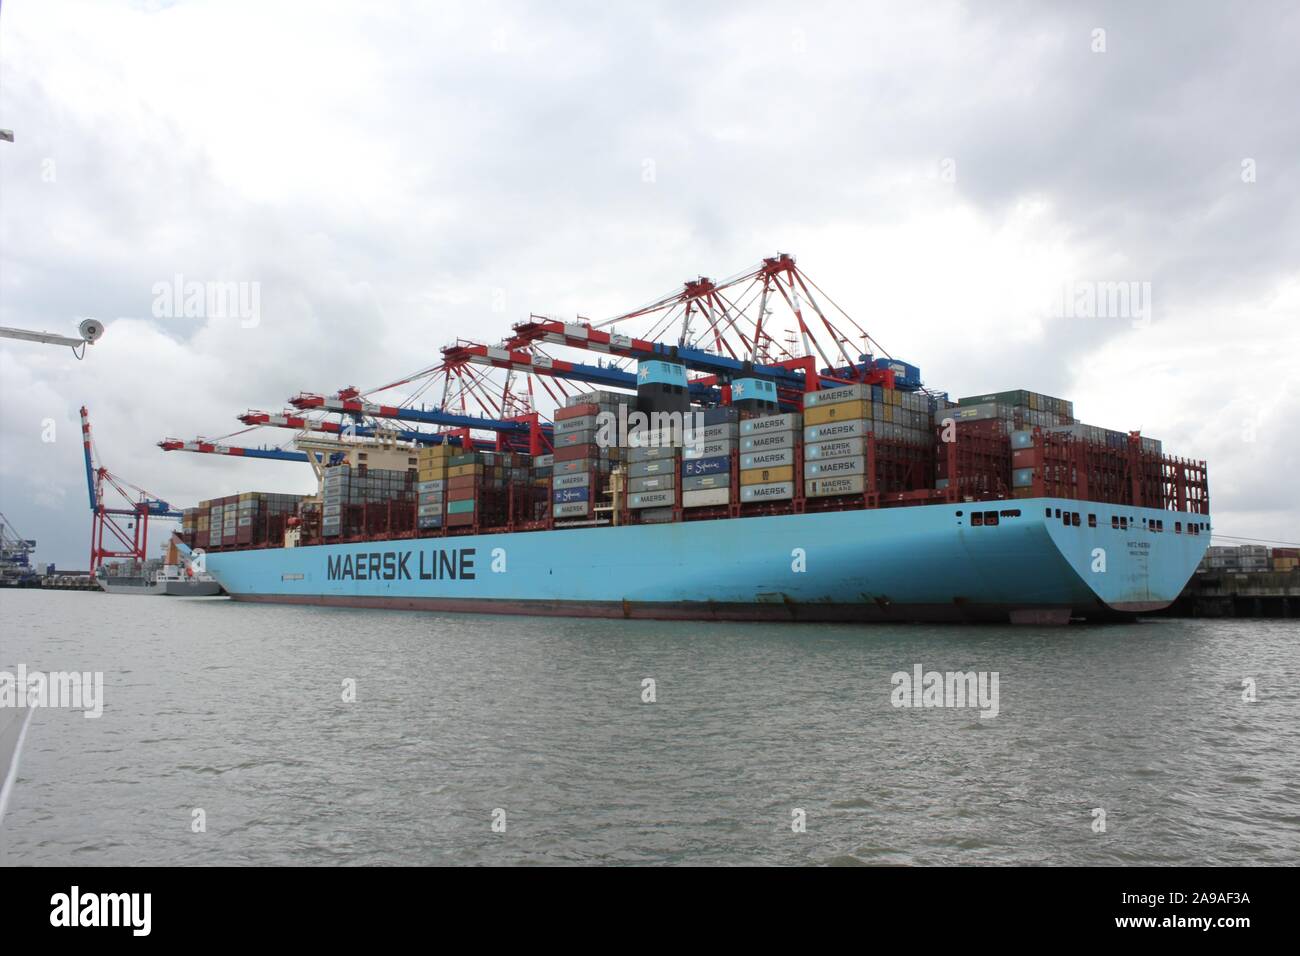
x: 237, y: 710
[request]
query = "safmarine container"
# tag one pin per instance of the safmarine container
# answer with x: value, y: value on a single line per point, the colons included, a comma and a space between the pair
x: 563, y: 496
x: 706, y: 466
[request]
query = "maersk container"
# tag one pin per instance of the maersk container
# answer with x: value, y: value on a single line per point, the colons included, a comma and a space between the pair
x: 828, y: 487
x: 706, y: 466
x: 713, y: 449
x: 711, y: 498
x: 849, y: 428
x: 660, y: 466
x: 840, y: 448
x: 574, y: 509
x: 767, y: 476
x: 562, y: 496
x: 1022, y: 439
x: 767, y: 442
x: 585, y: 436
x: 650, y: 499
x: 1022, y: 477
x: 838, y: 411
x: 771, y: 423
x: 425, y: 510
x: 652, y: 483
x: 656, y: 515
x: 706, y: 482
x: 581, y: 423
x: 829, y: 396
x: 781, y: 491
x: 572, y: 481
x: 767, y: 459
x: 835, y: 467
x: 728, y: 430
x: 436, y: 485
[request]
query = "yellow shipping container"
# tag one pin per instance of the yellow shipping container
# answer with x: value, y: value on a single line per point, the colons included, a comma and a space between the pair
x: 435, y: 452
x: 1286, y: 564
x: 763, y: 476
x: 840, y: 411
x: 461, y: 471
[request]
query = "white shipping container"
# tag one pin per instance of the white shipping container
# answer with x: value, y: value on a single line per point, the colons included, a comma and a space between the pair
x: 710, y: 498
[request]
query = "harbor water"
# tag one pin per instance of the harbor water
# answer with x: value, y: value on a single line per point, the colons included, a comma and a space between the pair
x: 254, y: 734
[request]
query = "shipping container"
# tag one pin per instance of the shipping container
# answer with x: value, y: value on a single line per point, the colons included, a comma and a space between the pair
x: 781, y: 491
x: 710, y: 498
x: 839, y: 411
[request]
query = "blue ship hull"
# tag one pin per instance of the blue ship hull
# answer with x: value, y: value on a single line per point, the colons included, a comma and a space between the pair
x: 925, y: 563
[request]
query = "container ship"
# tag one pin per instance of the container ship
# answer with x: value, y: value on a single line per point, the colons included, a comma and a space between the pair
x: 723, y: 477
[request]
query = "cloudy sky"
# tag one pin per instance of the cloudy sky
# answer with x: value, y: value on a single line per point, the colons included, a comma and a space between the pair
x: 394, y: 176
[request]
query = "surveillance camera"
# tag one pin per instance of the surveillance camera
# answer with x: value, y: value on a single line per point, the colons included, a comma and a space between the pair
x: 91, y: 329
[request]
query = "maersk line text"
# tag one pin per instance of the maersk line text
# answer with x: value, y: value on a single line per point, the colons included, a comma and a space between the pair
x: 457, y: 564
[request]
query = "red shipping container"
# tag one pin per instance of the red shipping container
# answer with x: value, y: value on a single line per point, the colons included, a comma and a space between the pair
x: 577, y: 411
x: 461, y: 494
x: 463, y: 482
x: 574, y: 452
x: 460, y: 521
x: 1025, y: 458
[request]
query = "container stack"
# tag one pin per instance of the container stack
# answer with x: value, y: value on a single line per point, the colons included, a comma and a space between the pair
x: 334, y: 495
x: 1286, y: 559
x: 767, y: 457
x: 586, y: 451
x: 653, y: 468
x: 836, y: 424
x: 478, y: 487
x: 707, y: 458
x: 346, y: 492
x: 1016, y: 409
x: 431, y: 486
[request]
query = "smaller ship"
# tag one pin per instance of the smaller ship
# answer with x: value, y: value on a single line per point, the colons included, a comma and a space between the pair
x: 174, y: 578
